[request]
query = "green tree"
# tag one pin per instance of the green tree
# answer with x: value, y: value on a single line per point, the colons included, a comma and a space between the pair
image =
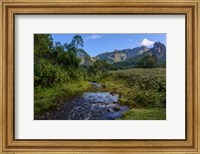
x: 57, y: 49
x: 54, y: 63
x: 99, y: 68
x: 74, y: 45
x: 148, y: 61
x: 43, y: 44
x: 77, y: 41
x: 69, y: 57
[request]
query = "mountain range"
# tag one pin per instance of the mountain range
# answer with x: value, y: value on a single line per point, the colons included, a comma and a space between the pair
x: 125, y: 55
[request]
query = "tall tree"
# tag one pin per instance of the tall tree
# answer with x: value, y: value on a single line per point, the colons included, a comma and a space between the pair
x: 77, y: 41
x: 57, y: 49
x: 43, y: 44
x: 148, y: 61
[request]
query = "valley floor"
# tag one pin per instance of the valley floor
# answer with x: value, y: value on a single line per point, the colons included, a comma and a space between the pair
x: 142, y: 90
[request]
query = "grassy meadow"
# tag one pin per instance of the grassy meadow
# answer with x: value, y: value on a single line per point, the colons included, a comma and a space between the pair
x: 143, y: 90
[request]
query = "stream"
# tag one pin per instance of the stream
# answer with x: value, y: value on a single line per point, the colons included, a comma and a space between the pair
x: 94, y: 104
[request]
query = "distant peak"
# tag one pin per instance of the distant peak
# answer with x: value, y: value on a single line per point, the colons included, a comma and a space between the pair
x: 159, y: 47
x: 158, y: 43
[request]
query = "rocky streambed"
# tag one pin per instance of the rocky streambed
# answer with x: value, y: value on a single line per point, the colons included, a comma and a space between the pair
x: 94, y: 104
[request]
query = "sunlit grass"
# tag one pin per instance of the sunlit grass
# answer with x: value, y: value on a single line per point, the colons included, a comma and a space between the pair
x: 47, y: 98
x: 144, y: 114
x: 142, y: 90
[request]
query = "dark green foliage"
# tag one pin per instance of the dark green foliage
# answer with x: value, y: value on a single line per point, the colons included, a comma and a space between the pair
x: 56, y: 71
x: 148, y: 61
x: 68, y: 59
x: 129, y: 63
x: 139, y: 88
x: 47, y: 74
x: 57, y: 49
x: 77, y: 41
x: 43, y: 44
x: 143, y: 61
x: 99, y: 69
x: 56, y: 63
x: 101, y: 65
x: 150, y: 99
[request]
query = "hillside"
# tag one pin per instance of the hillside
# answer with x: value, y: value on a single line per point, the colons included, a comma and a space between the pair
x: 121, y: 55
x: 84, y: 57
x: 126, y: 56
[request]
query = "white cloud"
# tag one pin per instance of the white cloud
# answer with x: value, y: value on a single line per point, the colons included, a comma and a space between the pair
x: 146, y: 42
x: 93, y: 37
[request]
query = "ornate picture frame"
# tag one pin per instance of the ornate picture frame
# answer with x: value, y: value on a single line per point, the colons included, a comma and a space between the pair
x: 10, y: 8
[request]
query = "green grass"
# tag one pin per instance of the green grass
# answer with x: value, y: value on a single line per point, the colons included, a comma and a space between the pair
x: 49, y: 98
x: 144, y: 114
x: 142, y: 90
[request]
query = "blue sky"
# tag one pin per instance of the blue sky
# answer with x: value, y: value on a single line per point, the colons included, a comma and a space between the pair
x: 95, y: 44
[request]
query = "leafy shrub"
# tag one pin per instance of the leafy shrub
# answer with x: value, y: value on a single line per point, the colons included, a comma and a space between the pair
x: 148, y: 61
x: 47, y: 74
x: 150, y: 99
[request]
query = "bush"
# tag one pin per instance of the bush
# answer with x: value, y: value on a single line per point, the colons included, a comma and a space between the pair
x: 128, y: 102
x: 150, y: 99
x: 47, y: 74
x: 148, y: 61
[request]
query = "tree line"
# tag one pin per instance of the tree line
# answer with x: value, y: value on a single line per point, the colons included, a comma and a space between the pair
x: 56, y: 63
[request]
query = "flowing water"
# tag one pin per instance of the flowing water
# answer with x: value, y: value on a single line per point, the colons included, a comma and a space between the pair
x: 94, y: 104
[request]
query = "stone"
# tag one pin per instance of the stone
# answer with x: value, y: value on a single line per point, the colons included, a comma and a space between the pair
x: 110, y: 110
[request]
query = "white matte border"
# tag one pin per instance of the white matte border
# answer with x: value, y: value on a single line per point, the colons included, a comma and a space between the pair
x: 27, y: 128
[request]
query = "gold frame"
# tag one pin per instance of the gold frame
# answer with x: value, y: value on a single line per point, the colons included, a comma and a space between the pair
x: 190, y: 8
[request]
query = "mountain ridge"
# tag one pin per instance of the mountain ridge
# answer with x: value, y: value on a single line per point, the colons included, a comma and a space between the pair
x: 117, y: 56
